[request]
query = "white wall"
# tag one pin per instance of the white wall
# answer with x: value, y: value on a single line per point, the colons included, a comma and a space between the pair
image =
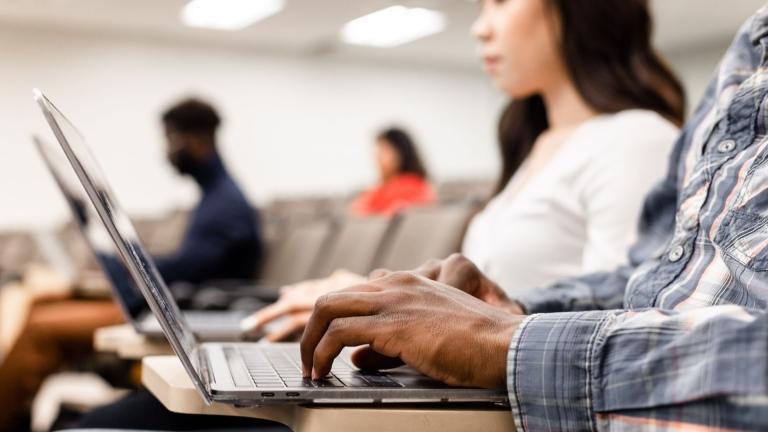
x: 697, y: 66
x: 293, y: 126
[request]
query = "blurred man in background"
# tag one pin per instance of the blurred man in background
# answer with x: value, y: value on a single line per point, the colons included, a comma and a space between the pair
x: 222, y: 241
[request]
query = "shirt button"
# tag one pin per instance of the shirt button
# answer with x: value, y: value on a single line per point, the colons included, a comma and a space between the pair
x: 676, y: 253
x: 726, y: 146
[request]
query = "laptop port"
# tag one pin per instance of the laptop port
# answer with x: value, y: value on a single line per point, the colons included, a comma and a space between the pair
x: 267, y: 395
x: 292, y: 394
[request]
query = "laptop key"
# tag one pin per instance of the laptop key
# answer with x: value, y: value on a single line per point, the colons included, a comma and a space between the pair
x: 419, y: 382
x: 300, y: 383
x: 332, y: 382
x: 355, y: 381
x: 381, y: 381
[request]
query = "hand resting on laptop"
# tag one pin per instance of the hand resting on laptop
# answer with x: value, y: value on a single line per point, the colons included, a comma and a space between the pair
x: 410, y: 318
x: 296, y: 302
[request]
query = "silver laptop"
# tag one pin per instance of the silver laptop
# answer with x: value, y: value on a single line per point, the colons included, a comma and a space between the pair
x: 245, y: 374
x: 206, y: 325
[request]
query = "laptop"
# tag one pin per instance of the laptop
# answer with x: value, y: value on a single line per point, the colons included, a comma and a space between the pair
x: 206, y: 325
x: 244, y: 374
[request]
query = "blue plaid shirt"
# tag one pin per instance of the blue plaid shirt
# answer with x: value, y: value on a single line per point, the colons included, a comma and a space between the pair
x: 678, y: 339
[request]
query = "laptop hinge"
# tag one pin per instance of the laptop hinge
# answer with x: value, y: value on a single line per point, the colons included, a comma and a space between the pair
x: 205, y: 370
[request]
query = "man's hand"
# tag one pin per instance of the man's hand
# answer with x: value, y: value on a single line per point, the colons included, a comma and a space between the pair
x: 440, y: 331
x: 459, y: 272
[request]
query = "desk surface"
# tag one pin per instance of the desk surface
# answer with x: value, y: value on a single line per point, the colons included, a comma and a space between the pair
x: 166, y: 379
x: 127, y: 344
x: 16, y: 299
x: 14, y: 306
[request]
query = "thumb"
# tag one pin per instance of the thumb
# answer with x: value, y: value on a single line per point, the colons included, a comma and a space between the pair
x: 367, y: 359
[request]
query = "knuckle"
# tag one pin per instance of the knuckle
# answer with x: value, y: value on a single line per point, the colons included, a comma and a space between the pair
x: 456, y: 256
x: 400, y: 277
x: 458, y: 260
x: 323, y: 303
x: 378, y: 274
x: 465, y: 267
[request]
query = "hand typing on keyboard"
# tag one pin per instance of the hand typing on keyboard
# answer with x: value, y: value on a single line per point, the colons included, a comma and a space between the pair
x: 439, y: 330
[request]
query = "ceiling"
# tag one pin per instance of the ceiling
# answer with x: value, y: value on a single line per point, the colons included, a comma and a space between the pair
x: 309, y: 27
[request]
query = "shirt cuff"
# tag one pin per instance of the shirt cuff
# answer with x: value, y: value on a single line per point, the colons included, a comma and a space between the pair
x: 555, y: 300
x: 550, y: 370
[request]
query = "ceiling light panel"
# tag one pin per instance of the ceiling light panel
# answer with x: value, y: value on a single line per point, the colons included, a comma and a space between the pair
x: 230, y: 15
x: 393, y: 26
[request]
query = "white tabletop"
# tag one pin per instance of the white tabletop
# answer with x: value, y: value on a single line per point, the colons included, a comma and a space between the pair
x: 166, y: 379
x: 127, y: 344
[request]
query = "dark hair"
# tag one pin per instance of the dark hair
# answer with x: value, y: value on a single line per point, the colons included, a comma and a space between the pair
x: 410, y: 161
x: 606, y: 45
x: 193, y: 116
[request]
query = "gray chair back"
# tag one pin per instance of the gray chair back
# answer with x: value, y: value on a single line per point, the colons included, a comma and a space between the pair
x: 355, y: 246
x: 292, y: 258
x: 422, y: 234
x: 18, y: 251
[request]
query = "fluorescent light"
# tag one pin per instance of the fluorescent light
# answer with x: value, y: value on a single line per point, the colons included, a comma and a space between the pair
x: 228, y: 14
x: 393, y: 26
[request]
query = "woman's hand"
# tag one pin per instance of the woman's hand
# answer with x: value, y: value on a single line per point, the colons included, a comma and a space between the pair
x: 440, y: 331
x: 287, y: 317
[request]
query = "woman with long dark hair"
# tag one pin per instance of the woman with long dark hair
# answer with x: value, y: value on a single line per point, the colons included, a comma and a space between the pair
x: 402, y: 177
x: 593, y: 115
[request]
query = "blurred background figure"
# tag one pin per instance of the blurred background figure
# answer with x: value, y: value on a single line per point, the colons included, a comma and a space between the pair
x: 221, y: 242
x: 403, y: 178
x: 223, y: 237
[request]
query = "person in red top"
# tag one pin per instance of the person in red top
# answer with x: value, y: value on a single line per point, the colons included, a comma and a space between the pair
x: 403, y: 178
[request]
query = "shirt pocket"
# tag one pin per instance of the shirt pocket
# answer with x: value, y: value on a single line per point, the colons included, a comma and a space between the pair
x: 743, y: 237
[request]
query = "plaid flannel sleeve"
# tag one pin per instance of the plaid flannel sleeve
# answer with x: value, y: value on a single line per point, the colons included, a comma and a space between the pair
x: 618, y: 370
x: 598, y: 291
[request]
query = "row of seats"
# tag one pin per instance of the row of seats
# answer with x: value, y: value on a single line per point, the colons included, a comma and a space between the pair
x: 316, y: 249
x: 284, y: 223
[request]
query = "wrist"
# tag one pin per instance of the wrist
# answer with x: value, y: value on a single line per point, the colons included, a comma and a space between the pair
x: 514, y: 307
x: 508, y: 305
x: 503, y: 338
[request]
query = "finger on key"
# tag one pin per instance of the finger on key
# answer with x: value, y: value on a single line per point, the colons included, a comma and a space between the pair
x: 342, y: 304
x: 342, y: 332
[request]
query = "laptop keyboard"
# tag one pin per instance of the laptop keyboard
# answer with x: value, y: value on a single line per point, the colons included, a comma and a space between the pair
x: 281, y: 367
x: 206, y: 319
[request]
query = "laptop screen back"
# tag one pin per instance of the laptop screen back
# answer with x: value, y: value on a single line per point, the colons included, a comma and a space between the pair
x: 139, y: 264
x: 96, y: 236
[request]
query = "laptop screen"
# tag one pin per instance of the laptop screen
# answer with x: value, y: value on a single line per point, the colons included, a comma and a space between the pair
x: 123, y: 235
x: 86, y: 218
